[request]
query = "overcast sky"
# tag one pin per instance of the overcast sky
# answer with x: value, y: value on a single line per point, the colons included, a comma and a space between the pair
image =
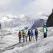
x: 31, y: 8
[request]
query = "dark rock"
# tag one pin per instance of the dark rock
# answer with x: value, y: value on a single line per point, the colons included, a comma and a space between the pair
x: 50, y: 20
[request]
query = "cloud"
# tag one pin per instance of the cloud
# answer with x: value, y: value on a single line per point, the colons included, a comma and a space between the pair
x: 13, y: 7
x: 37, y: 6
x: 4, y: 2
x: 28, y: 7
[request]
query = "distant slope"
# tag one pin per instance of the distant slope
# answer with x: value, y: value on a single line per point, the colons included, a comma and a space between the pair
x: 24, y: 22
x: 38, y: 23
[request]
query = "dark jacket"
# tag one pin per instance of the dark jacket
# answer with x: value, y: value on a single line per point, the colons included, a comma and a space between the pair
x: 19, y: 34
x: 36, y: 32
x: 29, y: 33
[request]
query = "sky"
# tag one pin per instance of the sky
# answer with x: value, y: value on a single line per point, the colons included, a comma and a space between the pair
x: 31, y: 8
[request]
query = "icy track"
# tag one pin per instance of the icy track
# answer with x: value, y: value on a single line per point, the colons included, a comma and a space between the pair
x: 41, y: 46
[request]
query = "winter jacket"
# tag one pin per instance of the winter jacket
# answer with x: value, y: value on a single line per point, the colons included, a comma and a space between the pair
x: 29, y: 33
x: 23, y: 33
x: 36, y: 32
x: 19, y: 34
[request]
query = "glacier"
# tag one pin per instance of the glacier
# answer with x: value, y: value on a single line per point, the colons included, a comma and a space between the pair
x: 43, y: 45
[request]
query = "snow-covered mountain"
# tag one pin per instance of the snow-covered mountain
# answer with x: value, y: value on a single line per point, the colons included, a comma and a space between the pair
x: 16, y: 22
x: 21, y: 22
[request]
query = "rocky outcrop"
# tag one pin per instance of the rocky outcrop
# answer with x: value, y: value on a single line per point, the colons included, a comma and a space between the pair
x: 50, y: 20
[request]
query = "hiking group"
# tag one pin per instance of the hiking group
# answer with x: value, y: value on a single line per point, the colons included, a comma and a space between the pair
x: 29, y: 35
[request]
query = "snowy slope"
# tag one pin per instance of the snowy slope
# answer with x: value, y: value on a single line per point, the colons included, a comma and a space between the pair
x: 42, y: 46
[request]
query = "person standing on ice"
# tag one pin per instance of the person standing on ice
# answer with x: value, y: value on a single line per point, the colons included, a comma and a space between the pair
x: 26, y: 35
x: 19, y: 34
x: 23, y: 34
x: 29, y: 34
x: 45, y: 31
x: 36, y: 34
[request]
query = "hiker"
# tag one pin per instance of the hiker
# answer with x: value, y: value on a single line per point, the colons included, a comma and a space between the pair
x: 45, y: 31
x: 23, y: 34
x: 36, y: 34
x: 32, y: 34
x: 29, y: 34
x: 26, y: 35
x: 19, y: 34
x: 0, y: 26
